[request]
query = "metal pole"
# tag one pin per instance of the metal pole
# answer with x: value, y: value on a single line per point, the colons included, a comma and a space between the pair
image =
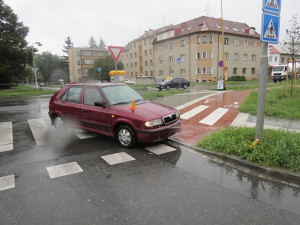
x: 262, y: 92
x: 116, y: 67
x: 223, y: 40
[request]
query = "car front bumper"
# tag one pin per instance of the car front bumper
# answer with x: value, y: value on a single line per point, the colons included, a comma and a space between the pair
x: 158, y: 134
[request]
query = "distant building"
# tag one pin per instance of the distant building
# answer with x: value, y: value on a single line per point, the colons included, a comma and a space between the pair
x: 193, y: 49
x: 81, y: 60
x: 279, y: 54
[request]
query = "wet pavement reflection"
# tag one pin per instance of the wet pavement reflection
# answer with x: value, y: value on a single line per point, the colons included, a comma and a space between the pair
x: 244, y: 181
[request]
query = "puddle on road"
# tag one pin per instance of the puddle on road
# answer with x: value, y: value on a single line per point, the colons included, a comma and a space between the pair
x: 247, y: 183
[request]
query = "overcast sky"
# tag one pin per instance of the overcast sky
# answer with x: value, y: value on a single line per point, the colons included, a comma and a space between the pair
x: 120, y: 21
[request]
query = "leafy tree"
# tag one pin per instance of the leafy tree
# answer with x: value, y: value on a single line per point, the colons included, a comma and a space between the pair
x: 102, y: 44
x: 107, y: 63
x: 14, y: 53
x: 51, y: 67
x: 92, y: 43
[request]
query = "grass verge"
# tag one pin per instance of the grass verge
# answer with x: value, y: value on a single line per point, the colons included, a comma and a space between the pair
x: 277, y: 104
x: 279, y: 149
x: 24, y: 90
x: 154, y: 95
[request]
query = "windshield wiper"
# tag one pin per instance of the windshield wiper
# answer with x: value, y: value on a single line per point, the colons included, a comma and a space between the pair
x: 121, y: 103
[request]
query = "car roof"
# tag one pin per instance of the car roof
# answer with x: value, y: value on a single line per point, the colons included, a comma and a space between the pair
x: 95, y: 84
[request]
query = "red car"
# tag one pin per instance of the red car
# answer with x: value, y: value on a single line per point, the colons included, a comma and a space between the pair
x: 115, y: 110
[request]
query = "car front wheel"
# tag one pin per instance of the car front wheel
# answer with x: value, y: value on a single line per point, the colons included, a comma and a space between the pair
x: 126, y: 136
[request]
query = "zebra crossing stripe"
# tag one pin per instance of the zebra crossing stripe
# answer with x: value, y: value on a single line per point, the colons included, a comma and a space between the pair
x: 212, y: 118
x: 193, y: 112
x: 64, y: 169
x: 7, y: 182
x: 6, y: 136
x: 39, y: 130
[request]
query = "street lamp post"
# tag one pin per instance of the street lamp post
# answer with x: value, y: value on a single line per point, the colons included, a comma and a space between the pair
x: 34, y: 68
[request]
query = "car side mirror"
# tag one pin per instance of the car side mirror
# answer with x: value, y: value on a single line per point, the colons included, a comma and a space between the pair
x: 100, y: 104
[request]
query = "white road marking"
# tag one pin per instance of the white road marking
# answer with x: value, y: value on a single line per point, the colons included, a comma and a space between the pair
x: 39, y: 130
x: 6, y: 136
x: 193, y: 112
x: 194, y: 101
x: 212, y: 118
x: 117, y: 158
x: 81, y: 134
x: 160, y: 149
x: 64, y: 169
x: 7, y: 182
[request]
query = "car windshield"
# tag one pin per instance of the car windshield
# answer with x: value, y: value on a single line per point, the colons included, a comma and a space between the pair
x: 120, y: 94
x: 278, y: 68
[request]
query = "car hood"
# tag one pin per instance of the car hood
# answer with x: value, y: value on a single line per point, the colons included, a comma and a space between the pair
x: 146, y: 110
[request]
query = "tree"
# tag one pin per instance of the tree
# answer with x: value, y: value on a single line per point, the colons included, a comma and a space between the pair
x: 107, y: 63
x: 14, y: 53
x: 69, y: 45
x: 92, y: 43
x: 51, y: 67
x: 102, y: 44
x: 293, y: 43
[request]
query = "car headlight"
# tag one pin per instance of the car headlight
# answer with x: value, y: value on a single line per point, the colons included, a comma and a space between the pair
x: 153, y: 123
x: 177, y: 114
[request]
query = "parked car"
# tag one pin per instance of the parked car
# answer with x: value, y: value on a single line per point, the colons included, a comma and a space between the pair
x: 115, y: 110
x: 42, y: 84
x: 173, y: 82
x: 130, y: 82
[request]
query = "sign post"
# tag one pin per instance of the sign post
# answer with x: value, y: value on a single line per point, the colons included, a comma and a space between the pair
x: 115, y: 52
x: 269, y: 34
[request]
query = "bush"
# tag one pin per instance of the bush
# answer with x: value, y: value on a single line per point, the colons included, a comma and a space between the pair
x: 237, y: 78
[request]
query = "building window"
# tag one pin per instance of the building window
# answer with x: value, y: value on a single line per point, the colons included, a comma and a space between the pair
x: 210, y: 55
x: 161, y: 72
x: 182, y: 72
x: 235, y: 70
x: 226, y: 55
x: 146, y: 63
x: 170, y: 45
x: 160, y: 47
x: 198, y: 55
x: 204, y: 55
x: 198, y: 40
x: 252, y: 70
x: 151, y: 62
x: 204, y: 39
x: 254, y: 44
x: 145, y: 52
x: 150, y: 51
x: 236, y: 42
x: 253, y: 57
x: 276, y: 59
x: 210, y: 39
x: 135, y: 64
x: 78, y: 62
x: 209, y: 70
x: 226, y: 41
x: 198, y: 70
x: 282, y: 60
x: 171, y: 59
x: 161, y: 59
x: 236, y: 56
x: 245, y: 57
x: 245, y: 43
x: 182, y: 43
x: 270, y: 58
x: 203, y: 70
x: 244, y: 70
x: 135, y: 55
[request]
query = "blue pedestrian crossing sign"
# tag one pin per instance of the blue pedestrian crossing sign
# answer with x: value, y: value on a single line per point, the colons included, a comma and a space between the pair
x: 270, y: 28
x: 272, y: 6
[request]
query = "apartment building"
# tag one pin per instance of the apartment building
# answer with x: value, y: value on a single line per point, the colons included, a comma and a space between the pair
x: 193, y: 50
x: 80, y: 60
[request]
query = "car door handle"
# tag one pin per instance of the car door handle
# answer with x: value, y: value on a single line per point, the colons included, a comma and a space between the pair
x: 60, y: 106
x: 84, y: 110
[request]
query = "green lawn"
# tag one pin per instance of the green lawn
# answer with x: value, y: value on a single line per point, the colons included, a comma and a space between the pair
x: 24, y: 90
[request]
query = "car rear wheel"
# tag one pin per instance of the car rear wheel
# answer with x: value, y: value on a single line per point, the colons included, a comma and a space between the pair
x: 59, y: 123
x: 185, y: 86
x: 126, y: 136
x: 168, y: 87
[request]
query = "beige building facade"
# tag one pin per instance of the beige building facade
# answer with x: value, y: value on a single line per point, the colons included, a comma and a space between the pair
x: 193, y: 50
x: 80, y: 60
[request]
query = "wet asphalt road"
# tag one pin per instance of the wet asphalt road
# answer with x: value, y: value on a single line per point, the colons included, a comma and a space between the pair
x: 179, y: 187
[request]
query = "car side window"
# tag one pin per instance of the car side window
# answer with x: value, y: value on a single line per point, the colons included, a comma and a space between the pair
x: 176, y: 80
x: 91, y: 95
x: 72, y: 95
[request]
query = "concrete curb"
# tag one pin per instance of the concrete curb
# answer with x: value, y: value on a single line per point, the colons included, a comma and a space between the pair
x: 279, y: 175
